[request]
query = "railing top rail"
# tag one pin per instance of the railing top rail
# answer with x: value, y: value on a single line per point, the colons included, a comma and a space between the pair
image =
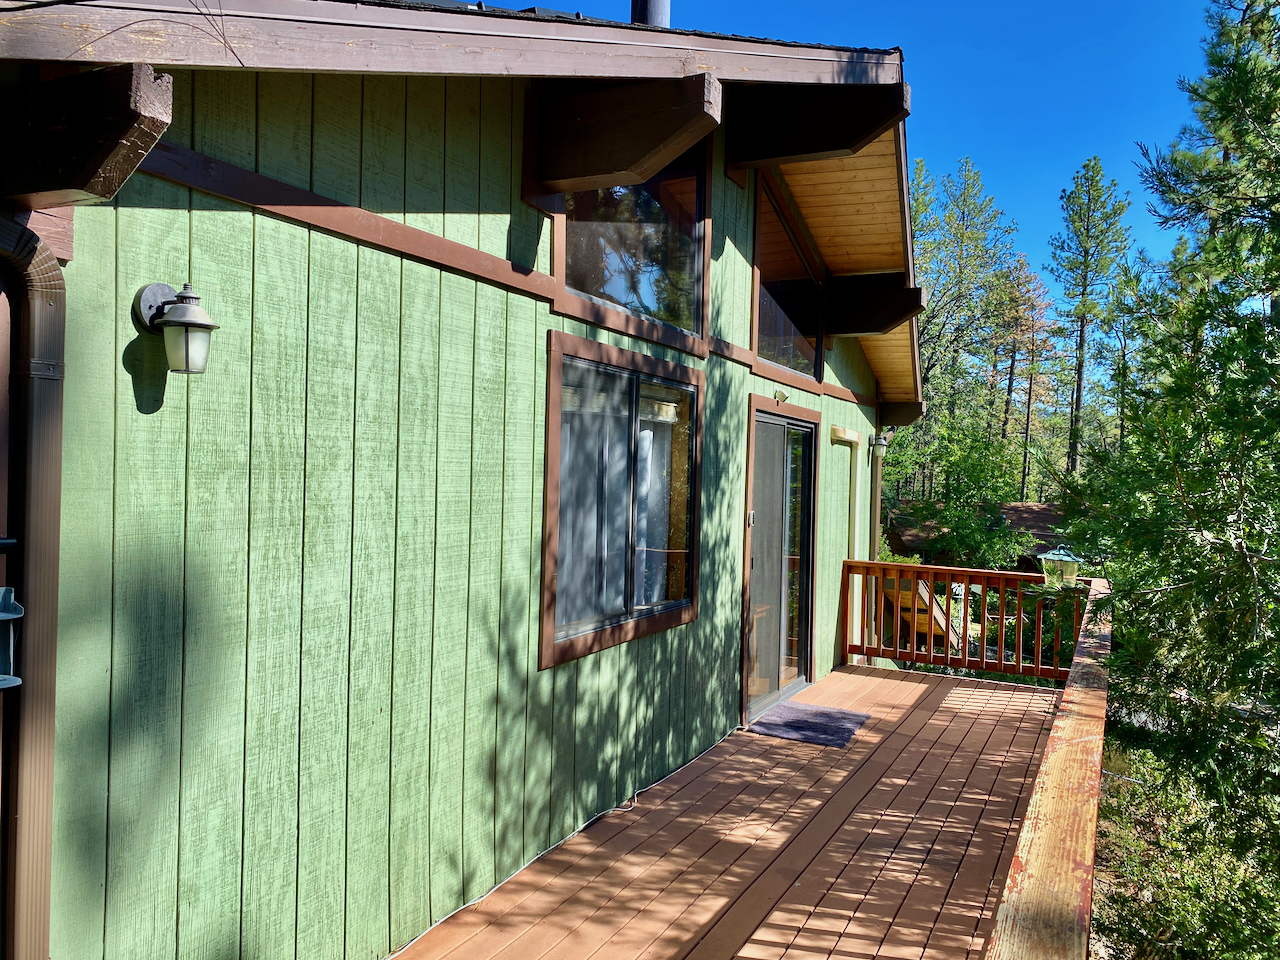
x: 862, y: 566
x: 1048, y: 896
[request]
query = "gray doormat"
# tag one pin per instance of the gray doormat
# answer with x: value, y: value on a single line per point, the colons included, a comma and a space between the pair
x: 802, y: 721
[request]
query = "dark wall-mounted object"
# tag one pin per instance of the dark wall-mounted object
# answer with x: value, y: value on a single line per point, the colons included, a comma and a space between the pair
x: 591, y: 136
x: 10, y: 610
x: 768, y: 124
x: 78, y: 138
x: 870, y: 304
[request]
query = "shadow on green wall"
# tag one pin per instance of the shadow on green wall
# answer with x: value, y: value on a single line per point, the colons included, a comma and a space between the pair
x: 144, y: 360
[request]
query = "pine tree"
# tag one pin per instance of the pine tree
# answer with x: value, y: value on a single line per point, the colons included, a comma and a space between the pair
x: 1087, y: 256
x: 1186, y: 517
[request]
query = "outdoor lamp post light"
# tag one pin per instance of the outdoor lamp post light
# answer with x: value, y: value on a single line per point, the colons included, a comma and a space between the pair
x: 1062, y: 564
x: 177, y: 315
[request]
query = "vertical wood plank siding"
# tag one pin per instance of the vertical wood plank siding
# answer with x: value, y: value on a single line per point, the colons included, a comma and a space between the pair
x: 300, y: 712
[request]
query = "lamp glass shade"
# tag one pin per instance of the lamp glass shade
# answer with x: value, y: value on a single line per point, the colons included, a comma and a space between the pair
x: 187, y: 348
x: 1061, y: 563
x: 879, y: 448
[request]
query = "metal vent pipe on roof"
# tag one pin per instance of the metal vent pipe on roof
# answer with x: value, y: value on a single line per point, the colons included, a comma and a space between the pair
x: 653, y: 13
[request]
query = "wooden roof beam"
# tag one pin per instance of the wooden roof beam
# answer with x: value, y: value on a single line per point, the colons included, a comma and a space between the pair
x: 870, y: 305
x: 772, y: 124
x: 591, y: 137
x: 83, y: 135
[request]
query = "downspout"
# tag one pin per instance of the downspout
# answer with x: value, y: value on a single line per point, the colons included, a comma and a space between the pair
x: 878, y: 448
x: 37, y: 372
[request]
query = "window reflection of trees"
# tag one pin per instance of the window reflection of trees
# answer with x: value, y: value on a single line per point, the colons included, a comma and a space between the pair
x: 637, y: 247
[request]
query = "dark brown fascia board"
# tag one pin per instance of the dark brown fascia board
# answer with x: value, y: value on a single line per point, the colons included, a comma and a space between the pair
x: 85, y: 133
x: 859, y: 306
x: 620, y: 135
x: 901, y: 413
x: 769, y: 125
x: 904, y: 185
x: 334, y: 37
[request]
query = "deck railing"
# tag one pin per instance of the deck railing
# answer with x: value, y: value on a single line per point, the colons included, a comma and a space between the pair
x: 1045, y: 909
x: 1000, y: 621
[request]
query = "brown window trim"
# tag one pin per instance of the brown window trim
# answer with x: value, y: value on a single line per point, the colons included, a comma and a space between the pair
x: 559, y: 346
x: 572, y: 304
x: 757, y: 403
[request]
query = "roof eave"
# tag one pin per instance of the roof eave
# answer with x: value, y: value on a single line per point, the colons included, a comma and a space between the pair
x: 336, y: 37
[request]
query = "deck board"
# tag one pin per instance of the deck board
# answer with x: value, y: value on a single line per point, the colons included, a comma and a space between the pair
x: 896, y: 845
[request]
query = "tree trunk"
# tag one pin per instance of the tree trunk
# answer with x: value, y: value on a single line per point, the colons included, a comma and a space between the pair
x: 1077, y: 402
x: 1026, y: 430
x: 1008, y: 391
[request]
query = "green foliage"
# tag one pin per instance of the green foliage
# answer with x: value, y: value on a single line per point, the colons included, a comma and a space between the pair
x: 1169, y: 885
x: 966, y: 528
x: 986, y: 367
x: 1087, y: 257
x: 1185, y: 515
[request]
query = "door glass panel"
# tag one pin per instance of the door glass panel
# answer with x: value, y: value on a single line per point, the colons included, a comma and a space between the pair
x: 778, y: 634
x: 764, y: 637
x: 795, y: 565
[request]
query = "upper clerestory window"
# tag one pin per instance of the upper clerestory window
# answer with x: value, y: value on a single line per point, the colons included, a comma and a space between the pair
x: 640, y: 248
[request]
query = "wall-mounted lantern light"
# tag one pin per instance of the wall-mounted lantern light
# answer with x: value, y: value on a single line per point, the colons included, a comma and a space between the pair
x: 158, y: 309
x: 10, y: 610
x: 1061, y: 564
x: 880, y: 447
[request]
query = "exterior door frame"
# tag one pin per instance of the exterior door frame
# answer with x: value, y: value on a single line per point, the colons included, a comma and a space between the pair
x: 778, y: 408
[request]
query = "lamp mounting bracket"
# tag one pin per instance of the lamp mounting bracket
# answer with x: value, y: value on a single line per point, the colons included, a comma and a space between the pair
x: 149, y: 304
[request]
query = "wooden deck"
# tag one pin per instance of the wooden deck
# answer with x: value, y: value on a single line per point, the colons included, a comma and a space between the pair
x: 897, y: 845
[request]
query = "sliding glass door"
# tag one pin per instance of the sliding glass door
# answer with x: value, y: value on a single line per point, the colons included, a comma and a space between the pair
x: 779, y: 625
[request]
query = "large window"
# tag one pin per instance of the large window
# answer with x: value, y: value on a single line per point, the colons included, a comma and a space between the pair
x: 639, y: 248
x: 623, y: 522
x: 790, y: 302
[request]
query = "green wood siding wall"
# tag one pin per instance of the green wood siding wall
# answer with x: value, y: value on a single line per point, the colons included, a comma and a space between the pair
x: 299, y: 709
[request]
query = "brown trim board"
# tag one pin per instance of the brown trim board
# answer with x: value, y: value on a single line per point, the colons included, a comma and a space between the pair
x: 551, y: 652
x: 36, y: 490
x: 330, y: 36
x: 758, y: 404
x: 199, y: 172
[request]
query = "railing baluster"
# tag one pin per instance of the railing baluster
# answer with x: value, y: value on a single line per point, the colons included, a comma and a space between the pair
x: 1018, y: 651
x: 946, y: 635
x: 885, y: 628
x: 1001, y: 584
x: 982, y: 624
x: 1039, y: 671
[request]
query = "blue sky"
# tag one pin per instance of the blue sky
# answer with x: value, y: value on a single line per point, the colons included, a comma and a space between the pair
x: 1027, y: 90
